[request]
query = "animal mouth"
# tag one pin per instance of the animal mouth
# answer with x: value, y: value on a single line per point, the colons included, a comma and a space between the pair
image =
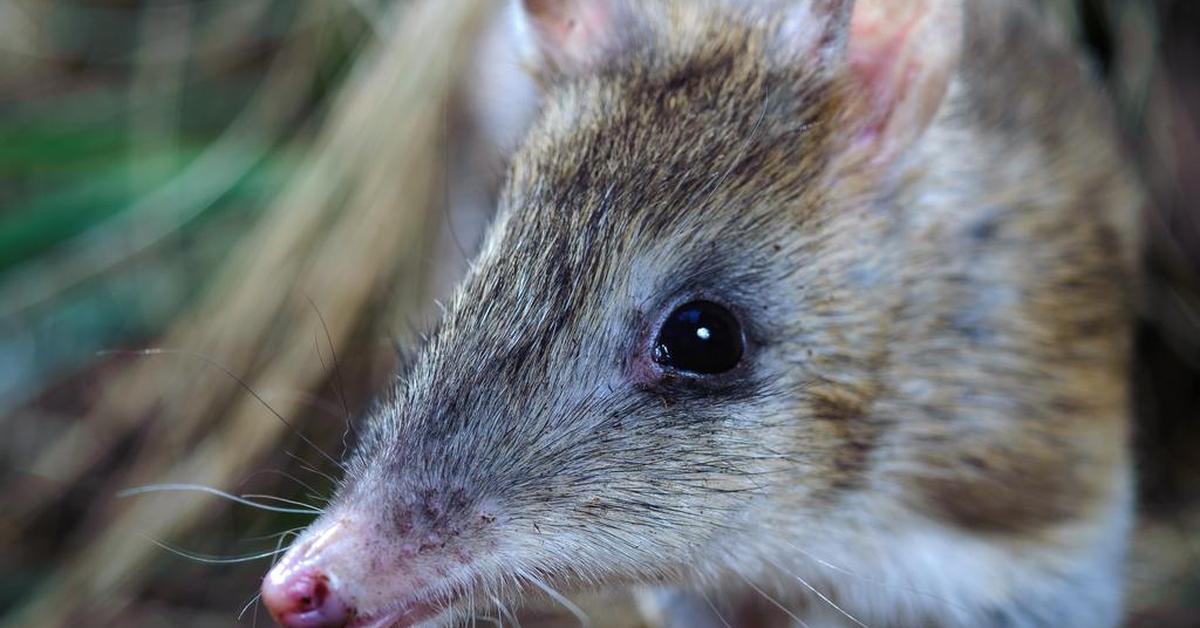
x: 402, y: 616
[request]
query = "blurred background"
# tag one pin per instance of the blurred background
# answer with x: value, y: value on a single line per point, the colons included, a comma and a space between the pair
x: 268, y: 194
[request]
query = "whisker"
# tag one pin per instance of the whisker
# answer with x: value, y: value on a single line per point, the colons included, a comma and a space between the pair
x: 471, y: 606
x: 284, y: 500
x: 337, y: 369
x: 584, y: 620
x: 245, y: 608
x: 200, y: 488
x: 504, y: 612
x: 308, y: 400
x: 313, y: 492
x: 311, y: 469
x: 279, y: 545
x: 875, y: 581
x: 270, y: 537
x: 214, y: 560
x: 713, y: 608
x: 488, y: 618
x: 775, y: 602
x: 241, y: 382
x: 823, y: 597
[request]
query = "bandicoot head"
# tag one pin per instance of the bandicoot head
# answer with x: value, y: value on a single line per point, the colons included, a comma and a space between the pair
x: 710, y: 332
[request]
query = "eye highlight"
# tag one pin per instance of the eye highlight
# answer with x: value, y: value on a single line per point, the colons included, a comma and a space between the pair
x: 700, y: 337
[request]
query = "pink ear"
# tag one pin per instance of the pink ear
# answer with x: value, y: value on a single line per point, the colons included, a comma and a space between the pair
x: 813, y: 29
x: 901, y: 56
x: 571, y: 36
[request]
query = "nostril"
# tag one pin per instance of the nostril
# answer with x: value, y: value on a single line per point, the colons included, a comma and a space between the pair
x: 313, y: 595
x: 302, y: 598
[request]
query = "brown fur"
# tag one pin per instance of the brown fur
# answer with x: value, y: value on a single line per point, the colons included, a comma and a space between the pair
x: 937, y: 343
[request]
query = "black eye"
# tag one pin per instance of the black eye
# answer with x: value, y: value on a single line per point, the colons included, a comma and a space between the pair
x: 700, y: 337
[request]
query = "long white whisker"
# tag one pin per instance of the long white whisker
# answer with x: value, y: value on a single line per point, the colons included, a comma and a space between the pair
x: 471, y: 606
x: 775, y: 602
x: 214, y: 560
x: 820, y: 595
x: 279, y: 545
x: 245, y: 608
x: 504, y: 612
x: 200, y: 488
x: 876, y: 581
x: 311, y: 469
x: 315, y: 510
x: 240, y: 381
x: 584, y: 620
x: 270, y: 537
x: 313, y: 493
x: 713, y: 608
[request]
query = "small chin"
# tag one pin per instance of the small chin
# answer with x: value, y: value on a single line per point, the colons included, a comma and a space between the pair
x: 432, y: 612
x: 411, y: 615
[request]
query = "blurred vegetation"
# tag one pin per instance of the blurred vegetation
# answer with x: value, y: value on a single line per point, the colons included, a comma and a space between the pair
x: 222, y: 177
x: 143, y: 149
x: 139, y: 138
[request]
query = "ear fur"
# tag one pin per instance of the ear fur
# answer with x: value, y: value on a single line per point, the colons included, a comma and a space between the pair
x: 571, y: 37
x: 901, y: 56
x: 897, y: 56
x: 811, y: 29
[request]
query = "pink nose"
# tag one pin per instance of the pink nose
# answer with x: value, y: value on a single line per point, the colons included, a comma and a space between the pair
x: 301, y: 598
